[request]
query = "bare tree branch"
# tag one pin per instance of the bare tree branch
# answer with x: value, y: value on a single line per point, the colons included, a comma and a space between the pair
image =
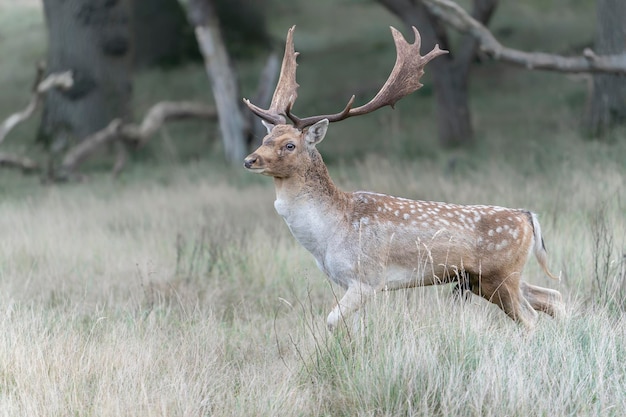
x: 455, y: 16
x: 89, y: 145
x: 162, y: 112
x: 62, y: 80
x: 20, y: 162
x: 134, y: 134
x: 41, y: 86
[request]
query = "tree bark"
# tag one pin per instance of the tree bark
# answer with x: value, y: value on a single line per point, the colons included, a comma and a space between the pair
x: 162, y: 34
x: 222, y: 76
x: 90, y: 38
x: 450, y: 73
x: 607, y: 103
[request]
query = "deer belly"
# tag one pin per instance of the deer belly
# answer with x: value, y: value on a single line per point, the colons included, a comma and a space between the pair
x: 346, y: 270
x: 396, y: 276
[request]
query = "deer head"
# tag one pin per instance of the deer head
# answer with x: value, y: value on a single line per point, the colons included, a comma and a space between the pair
x: 285, y: 143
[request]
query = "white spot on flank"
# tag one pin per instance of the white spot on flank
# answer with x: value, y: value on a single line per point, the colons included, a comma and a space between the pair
x: 502, y: 245
x: 499, y: 229
x: 490, y: 233
x: 406, y: 216
x: 397, y: 213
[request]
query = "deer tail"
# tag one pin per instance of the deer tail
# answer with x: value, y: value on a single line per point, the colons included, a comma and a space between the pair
x: 540, y: 247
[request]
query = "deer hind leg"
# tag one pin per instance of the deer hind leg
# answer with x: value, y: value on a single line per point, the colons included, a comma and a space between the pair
x: 506, y: 294
x: 544, y: 299
x: 356, y: 295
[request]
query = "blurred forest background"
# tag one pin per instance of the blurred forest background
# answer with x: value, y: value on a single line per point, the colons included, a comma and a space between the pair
x: 198, y: 58
x: 144, y: 272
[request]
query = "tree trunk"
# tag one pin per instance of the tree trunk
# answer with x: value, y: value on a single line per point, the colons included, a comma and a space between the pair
x: 162, y: 34
x: 450, y: 73
x: 222, y: 76
x: 92, y: 39
x: 607, y: 104
x: 454, y: 124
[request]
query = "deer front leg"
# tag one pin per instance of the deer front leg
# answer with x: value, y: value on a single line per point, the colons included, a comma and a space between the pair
x: 356, y: 295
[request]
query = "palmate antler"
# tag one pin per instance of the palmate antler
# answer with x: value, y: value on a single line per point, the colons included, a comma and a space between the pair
x: 286, y: 90
x: 403, y: 80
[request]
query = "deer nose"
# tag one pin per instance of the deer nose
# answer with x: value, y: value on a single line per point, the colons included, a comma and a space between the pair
x: 249, y: 161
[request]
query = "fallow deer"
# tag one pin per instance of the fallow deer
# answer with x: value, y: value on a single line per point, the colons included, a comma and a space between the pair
x: 368, y: 242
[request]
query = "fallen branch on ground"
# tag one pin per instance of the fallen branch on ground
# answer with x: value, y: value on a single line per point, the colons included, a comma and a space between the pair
x: 20, y: 162
x: 61, y: 80
x: 455, y: 16
x: 135, y: 134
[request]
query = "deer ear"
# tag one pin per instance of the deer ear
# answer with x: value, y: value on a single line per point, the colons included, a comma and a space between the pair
x: 316, y: 133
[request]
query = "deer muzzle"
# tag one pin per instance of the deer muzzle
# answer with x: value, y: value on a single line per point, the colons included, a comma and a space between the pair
x: 251, y: 163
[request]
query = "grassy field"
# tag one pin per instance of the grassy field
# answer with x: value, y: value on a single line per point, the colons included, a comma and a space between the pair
x: 176, y: 290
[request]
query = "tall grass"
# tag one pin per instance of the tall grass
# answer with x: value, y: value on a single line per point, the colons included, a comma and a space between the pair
x: 191, y: 298
x: 430, y: 357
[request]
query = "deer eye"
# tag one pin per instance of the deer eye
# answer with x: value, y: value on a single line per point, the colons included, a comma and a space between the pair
x: 290, y: 146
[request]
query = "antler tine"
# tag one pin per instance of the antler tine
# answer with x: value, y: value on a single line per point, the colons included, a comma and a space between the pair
x: 405, y: 75
x: 308, y: 121
x: 286, y: 91
x: 266, y: 115
x: 403, y: 80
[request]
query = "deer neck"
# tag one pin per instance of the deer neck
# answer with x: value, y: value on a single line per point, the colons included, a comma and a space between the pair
x: 311, y: 204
